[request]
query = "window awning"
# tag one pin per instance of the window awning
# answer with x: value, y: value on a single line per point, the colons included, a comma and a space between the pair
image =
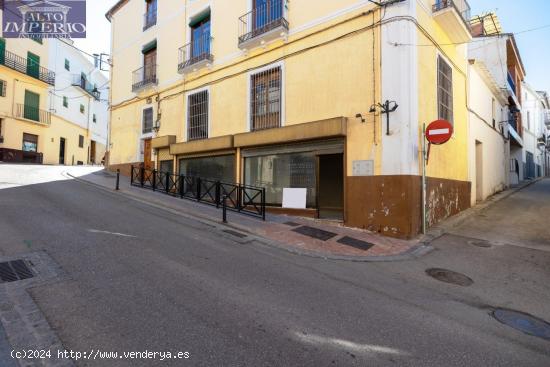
x: 203, y: 15
x: 150, y: 46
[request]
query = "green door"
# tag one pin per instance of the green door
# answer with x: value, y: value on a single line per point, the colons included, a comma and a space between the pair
x: 2, y: 51
x: 33, y: 65
x: 32, y: 103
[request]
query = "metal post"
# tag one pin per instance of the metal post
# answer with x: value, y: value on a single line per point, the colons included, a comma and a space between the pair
x: 118, y: 179
x: 387, y: 108
x: 263, y: 204
x: 142, y: 175
x: 224, y: 209
x: 424, y: 211
x: 218, y: 193
x: 154, y: 179
x: 198, y: 189
x: 131, y: 175
x: 182, y: 183
x: 167, y: 182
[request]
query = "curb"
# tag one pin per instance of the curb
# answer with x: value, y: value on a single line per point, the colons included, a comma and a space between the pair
x: 449, y: 224
x: 413, y: 253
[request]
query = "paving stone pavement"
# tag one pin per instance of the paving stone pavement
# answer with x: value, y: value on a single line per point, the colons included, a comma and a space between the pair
x: 274, y: 231
x: 25, y: 327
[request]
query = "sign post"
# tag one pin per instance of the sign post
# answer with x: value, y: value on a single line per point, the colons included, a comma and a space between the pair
x: 438, y: 132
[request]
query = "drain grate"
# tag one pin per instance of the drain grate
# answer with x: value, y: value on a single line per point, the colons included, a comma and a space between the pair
x: 354, y: 242
x: 523, y: 322
x: 292, y: 224
x: 316, y: 233
x: 449, y: 276
x: 235, y: 233
x: 12, y: 271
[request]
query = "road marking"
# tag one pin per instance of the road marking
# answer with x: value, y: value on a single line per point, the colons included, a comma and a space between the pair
x: 112, y: 233
x: 438, y: 131
x: 349, y: 345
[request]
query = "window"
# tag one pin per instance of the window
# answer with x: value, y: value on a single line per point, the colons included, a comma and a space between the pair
x: 65, y: 102
x: 67, y: 65
x: 197, y: 116
x: 82, y: 109
x: 80, y: 141
x: 150, y: 62
x: 200, y: 37
x: 147, y: 122
x: 528, y: 120
x: 493, y: 112
x: 444, y: 90
x: 30, y: 142
x: 3, y: 86
x: 94, y: 119
x: 31, y: 107
x: 150, y: 14
x: 33, y: 65
x: 265, y: 99
x: 219, y: 168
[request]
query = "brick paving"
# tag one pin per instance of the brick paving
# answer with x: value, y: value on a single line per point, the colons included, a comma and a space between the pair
x: 274, y: 228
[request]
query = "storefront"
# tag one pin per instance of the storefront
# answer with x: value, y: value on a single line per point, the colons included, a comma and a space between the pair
x: 315, y: 166
x: 216, y: 168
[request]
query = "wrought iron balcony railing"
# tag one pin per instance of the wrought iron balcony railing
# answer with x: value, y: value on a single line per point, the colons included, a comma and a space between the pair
x: 149, y: 19
x: 26, y: 67
x: 144, y: 77
x: 461, y: 6
x: 195, y: 53
x: 32, y: 113
x: 86, y: 86
x: 265, y: 18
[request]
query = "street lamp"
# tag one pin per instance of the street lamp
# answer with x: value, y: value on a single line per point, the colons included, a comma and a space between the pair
x: 387, y: 107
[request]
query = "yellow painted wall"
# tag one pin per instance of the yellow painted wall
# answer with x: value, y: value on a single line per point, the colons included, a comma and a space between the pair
x: 332, y: 80
x: 449, y: 160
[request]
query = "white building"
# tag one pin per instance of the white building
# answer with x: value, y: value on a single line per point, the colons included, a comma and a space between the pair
x: 535, y: 132
x: 80, y: 95
x: 489, y: 150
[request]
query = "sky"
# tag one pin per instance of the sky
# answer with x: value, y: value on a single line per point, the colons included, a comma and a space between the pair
x: 515, y: 16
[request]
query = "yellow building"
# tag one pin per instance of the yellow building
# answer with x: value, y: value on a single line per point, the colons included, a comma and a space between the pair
x: 289, y: 94
x: 38, y: 125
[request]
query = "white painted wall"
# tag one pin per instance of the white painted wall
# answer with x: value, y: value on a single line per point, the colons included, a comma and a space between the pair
x: 533, y: 124
x: 59, y: 51
x: 399, y: 77
x: 493, y: 148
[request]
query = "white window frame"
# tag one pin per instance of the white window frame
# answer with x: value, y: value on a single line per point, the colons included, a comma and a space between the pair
x: 186, y: 112
x: 250, y: 74
x: 450, y: 64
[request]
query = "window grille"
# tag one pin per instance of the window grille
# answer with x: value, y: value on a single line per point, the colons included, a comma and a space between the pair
x: 266, y: 99
x: 444, y: 90
x: 197, y: 116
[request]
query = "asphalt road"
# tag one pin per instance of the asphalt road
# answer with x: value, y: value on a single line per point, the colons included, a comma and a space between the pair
x: 140, y: 278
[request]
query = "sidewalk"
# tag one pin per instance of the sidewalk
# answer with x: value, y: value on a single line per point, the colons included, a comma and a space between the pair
x: 298, y: 235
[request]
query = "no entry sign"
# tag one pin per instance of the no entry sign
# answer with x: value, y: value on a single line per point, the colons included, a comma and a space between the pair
x: 439, y: 132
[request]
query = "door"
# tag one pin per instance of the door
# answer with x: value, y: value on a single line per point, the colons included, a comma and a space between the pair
x: 330, y: 182
x: 33, y: 65
x: 200, y: 39
x: 61, y: 150
x: 147, y: 163
x: 266, y: 12
x: 2, y: 51
x: 149, y: 65
x: 92, y: 152
x: 31, y: 108
x: 479, y: 171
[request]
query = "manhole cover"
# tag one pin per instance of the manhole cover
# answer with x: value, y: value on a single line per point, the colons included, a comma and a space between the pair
x: 449, y: 276
x: 523, y: 322
x: 12, y: 271
x: 480, y: 243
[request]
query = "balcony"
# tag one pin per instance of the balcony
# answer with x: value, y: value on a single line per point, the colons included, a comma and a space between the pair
x: 86, y: 86
x: 263, y: 24
x: 149, y: 19
x: 454, y: 17
x: 195, y: 54
x: 21, y: 65
x: 144, y: 77
x: 33, y: 114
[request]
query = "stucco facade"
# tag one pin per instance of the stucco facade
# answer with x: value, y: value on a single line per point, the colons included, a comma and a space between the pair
x: 333, y: 63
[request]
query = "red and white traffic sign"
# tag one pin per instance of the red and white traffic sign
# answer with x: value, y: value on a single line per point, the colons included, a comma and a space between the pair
x: 439, y: 132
